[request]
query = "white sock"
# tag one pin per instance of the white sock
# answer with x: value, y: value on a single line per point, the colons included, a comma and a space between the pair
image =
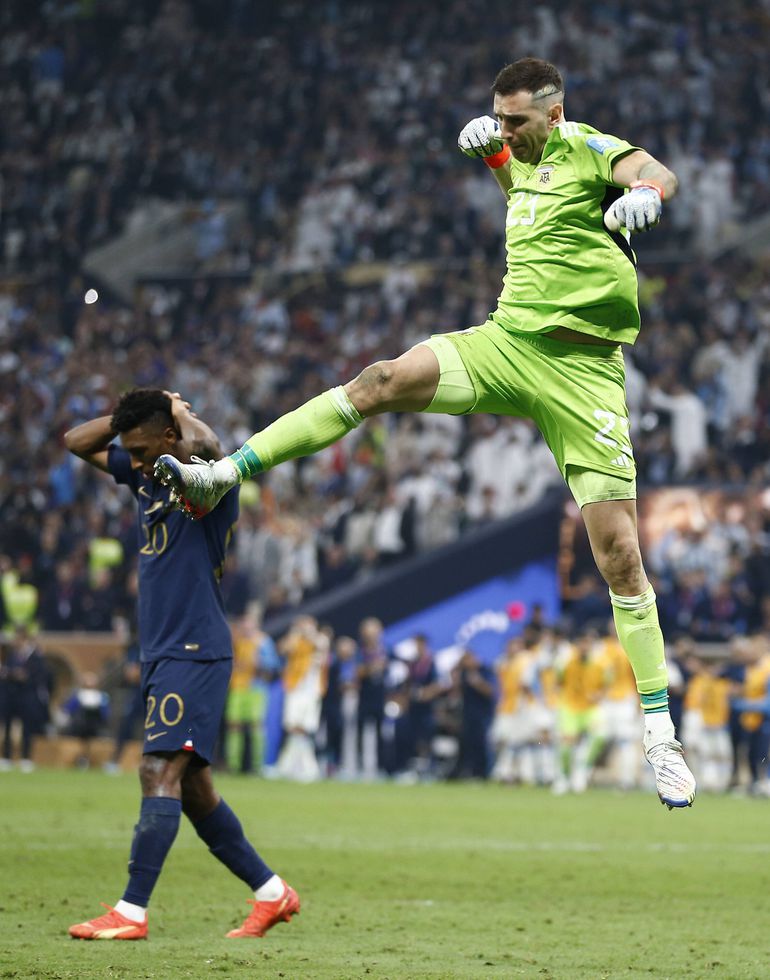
x: 226, y: 471
x: 133, y: 912
x: 271, y: 891
x: 659, y: 723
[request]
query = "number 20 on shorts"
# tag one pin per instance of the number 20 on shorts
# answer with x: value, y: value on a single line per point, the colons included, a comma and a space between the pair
x: 170, y: 710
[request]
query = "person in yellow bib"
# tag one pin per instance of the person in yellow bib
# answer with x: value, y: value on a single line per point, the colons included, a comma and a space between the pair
x: 754, y: 706
x: 254, y: 662
x: 622, y: 719
x: 306, y: 651
x: 548, y: 651
x: 583, y: 681
x: 707, y: 713
x: 550, y: 351
x: 511, y: 730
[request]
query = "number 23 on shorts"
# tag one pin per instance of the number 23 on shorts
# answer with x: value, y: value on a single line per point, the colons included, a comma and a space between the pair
x: 614, y: 433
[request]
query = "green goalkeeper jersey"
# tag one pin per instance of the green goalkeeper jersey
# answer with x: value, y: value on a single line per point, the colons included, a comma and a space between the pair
x: 564, y: 268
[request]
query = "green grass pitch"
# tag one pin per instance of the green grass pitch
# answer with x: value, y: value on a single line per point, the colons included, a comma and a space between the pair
x: 435, y: 881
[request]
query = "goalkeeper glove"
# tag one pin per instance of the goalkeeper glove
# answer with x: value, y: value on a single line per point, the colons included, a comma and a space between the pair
x: 481, y: 138
x: 638, y: 210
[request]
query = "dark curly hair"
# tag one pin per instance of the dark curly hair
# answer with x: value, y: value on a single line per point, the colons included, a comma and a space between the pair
x: 528, y: 75
x: 142, y: 405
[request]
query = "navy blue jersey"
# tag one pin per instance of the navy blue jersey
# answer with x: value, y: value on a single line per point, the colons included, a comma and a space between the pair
x: 181, y: 614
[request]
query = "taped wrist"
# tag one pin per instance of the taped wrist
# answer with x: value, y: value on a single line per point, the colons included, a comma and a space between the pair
x: 652, y: 184
x: 498, y: 159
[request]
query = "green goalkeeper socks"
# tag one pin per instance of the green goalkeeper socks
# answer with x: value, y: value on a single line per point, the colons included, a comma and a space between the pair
x: 313, y: 426
x: 636, y: 620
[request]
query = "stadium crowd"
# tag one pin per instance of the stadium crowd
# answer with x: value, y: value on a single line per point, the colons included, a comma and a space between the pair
x: 107, y: 104
x: 551, y: 710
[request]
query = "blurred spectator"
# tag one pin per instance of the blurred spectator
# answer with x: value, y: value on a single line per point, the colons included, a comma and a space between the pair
x: 583, y: 682
x: 477, y: 690
x: 86, y: 713
x: 424, y: 688
x: 447, y: 714
x: 681, y: 660
x: 689, y: 437
x: 245, y: 710
x: 339, y: 710
x: 132, y: 707
x: 395, y: 758
x: 100, y: 601
x: 754, y: 705
x: 547, y: 646
x: 25, y: 687
x: 706, y: 726
x: 621, y: 725
x: 18, y: 595
x: 61, y: 606
x: 372, y: 659
x: 511, y: 728
x: 305, y: 649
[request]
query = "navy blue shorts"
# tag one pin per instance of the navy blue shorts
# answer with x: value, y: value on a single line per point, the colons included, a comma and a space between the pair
x: 184, y: 702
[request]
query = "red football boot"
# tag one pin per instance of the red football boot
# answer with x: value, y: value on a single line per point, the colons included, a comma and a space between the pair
x: 113, y: 925
x: 264, y: 915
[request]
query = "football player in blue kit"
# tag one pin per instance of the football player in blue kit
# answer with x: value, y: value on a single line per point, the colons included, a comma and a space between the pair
x: 186, y: 653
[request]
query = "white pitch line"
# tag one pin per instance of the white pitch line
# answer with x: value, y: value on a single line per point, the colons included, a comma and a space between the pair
x: 425, y: 845
x: 559, y: 846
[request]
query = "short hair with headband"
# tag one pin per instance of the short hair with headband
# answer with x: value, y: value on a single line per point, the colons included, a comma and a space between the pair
x: 540, y: 78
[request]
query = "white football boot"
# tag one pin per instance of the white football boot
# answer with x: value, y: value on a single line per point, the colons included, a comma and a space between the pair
x: 196, y: 487
x: 673, y: 780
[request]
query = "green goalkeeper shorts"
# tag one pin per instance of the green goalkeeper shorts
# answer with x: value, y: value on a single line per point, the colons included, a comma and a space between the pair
x: 245, y: 706
x: 572, y: 722
x: 575, y: 394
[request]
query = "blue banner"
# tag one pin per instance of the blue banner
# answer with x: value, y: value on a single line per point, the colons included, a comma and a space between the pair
x: 482, y: 618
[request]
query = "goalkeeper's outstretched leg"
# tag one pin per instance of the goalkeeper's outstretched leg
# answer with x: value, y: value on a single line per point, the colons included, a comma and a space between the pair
x: 409, y: 383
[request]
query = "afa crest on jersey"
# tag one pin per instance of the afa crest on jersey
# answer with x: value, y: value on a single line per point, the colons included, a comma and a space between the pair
x: 544, y: 175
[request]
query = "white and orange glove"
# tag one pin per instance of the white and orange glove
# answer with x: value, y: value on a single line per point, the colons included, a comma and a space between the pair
x: 638, y: 210
x: 481, y: 138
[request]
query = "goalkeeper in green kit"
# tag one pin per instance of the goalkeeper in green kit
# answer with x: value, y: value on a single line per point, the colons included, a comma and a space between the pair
x: 550, y: 352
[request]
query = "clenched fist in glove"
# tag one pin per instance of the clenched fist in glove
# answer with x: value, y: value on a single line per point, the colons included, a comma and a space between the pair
x: 638, y: 210
x: 481, y: 138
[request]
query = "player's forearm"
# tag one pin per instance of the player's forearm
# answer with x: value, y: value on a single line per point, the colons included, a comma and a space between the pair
x: 90, y: 437
x: 653, y: 170
x: 503, y: 177
x: 639, y: 165
x: 197, y: 438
